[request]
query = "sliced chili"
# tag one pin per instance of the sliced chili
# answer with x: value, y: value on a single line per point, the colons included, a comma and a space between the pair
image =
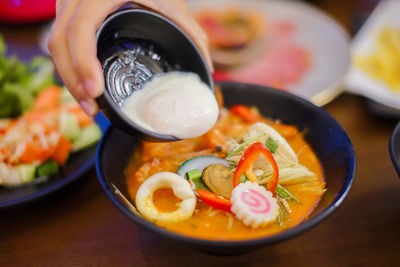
x: 245, y: 165
x: 245, y: 113
x: 214, y: 200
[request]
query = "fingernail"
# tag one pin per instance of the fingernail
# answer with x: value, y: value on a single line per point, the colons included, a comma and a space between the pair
x: 88, y: 107
x: 91, y: 88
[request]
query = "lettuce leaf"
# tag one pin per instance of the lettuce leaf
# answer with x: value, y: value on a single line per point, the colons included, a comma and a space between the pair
x: 21, y: 82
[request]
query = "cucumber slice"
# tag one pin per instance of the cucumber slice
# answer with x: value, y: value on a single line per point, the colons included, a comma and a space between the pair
x: 69, y: 126
x: 66, y: 96
x: 48, y: 168
x: 195, y: 175
x: 89, y: 136
x: 27, y: 172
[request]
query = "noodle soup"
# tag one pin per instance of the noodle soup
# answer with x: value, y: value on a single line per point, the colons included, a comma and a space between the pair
x: 248, y: 177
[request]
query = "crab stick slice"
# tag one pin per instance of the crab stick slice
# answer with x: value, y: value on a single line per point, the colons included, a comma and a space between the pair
x: 254, y: 205
x: 181, y: 189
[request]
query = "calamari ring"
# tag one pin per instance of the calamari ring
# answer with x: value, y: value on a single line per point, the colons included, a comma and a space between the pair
x: 181, y: 189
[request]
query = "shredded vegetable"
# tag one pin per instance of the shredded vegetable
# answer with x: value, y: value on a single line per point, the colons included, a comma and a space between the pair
x: 35, y: 144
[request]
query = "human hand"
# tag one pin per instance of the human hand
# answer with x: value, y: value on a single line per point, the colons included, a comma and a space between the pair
x: 72, y: 43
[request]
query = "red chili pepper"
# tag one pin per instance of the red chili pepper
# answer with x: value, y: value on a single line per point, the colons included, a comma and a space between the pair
x: 214, y: 200
x: 246, y: 165
x: 245, y: 113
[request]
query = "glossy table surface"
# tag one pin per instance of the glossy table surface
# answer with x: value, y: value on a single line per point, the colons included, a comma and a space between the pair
x: 78, y: 225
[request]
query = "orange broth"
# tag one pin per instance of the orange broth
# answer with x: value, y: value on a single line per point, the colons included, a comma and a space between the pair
x: 206, y: 222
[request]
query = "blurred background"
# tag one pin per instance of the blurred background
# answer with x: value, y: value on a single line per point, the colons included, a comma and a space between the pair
x: 343, y: 55
x: 316, y: 68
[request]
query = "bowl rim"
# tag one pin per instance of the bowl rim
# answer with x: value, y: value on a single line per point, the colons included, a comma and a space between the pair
x: 281, y: 236
x: 393, y: 136
x: 106, y: 99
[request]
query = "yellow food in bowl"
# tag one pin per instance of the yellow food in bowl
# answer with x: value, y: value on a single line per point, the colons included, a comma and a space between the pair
x: 383, y: 63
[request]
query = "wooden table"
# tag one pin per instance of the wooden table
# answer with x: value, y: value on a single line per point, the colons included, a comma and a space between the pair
x: 78, y: 225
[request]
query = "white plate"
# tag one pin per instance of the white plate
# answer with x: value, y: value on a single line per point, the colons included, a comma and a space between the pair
x: 387, y: 13
x: 321, y: 35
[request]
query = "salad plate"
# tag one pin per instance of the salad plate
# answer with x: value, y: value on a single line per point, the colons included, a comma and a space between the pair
x: 40, y: 125
x: 77, y: 165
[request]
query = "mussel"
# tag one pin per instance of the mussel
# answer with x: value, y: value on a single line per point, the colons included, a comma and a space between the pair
x: 219, y: 179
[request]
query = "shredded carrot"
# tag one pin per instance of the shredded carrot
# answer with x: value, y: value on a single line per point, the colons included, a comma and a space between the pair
x: 34, y: 115
x: 10, y: 125
x: 49, y: 98
x: 62, y: 150
x: 5, y: 150
x: 34, y: 152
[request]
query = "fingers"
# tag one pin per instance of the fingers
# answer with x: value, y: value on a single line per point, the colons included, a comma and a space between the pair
x: 58, y: 47
x: 73, y: 48
x: 81, y: 36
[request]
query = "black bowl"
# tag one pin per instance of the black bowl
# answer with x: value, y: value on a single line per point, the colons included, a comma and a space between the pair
x: 328, y: 139
x: 394, y: 148
x: 128, y: 29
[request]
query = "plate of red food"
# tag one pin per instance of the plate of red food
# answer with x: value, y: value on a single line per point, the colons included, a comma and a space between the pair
x: 288, y: 45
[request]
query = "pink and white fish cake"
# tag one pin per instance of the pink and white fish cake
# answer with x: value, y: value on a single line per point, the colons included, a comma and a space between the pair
x: 254, y: 205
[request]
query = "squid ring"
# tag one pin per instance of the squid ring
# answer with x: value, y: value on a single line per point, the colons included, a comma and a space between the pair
x: 181, y: 189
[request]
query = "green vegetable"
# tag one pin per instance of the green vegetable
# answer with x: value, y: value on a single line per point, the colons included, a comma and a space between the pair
x: 42, y: 74
x: 283, y: 193
x: 243, y: 145
x: 194, y: 174
x: 17, y: 95
x: 2, y: 46
x: 69, y: 126
x: 243, y: 178
x: 271, y: 144
x: 48, y: 168
x: 89, y: 136
x: 27, y: 172
x: 21, y: 82
x: 9, y: 105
